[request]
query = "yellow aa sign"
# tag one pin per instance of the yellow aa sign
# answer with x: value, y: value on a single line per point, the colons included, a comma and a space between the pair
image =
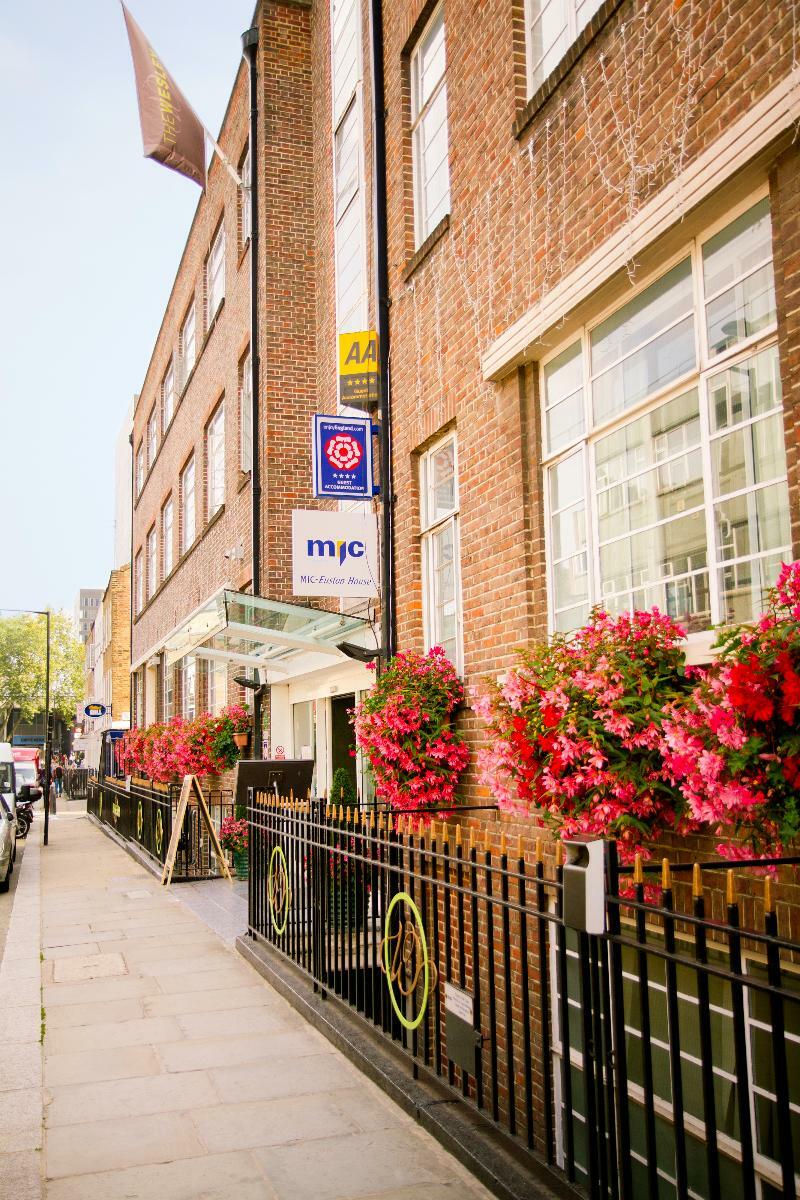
x: 358, y: 368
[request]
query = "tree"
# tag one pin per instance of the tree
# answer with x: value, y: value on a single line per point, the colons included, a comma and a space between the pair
x: 23, y: 653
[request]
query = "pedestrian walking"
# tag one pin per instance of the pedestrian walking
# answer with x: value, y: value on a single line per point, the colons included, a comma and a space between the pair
x: 58, y: 777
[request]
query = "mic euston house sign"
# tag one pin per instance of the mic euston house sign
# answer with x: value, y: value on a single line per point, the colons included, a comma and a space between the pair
x: 334, y: 554
x: 342, y: 457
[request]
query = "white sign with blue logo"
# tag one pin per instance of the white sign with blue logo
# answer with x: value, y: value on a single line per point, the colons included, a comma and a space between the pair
x: 334, y: 554
x: 342, y: 457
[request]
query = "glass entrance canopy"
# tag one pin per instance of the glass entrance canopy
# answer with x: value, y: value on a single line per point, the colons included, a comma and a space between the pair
x: 280, y: 639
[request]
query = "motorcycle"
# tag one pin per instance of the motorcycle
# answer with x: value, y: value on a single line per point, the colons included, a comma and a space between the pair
x: 25, y: 801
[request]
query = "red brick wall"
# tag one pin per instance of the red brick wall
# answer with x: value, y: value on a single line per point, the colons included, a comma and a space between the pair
x: 527, y: 209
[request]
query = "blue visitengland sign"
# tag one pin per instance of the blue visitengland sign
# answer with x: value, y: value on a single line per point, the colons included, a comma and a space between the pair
x: 342, y: 457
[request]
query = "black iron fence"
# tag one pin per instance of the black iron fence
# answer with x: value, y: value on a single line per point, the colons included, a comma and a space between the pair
x: 659, y: 1058
x: 144, y: 816
x: 76, y: 781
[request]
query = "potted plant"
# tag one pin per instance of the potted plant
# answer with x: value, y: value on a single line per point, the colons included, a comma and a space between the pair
x: 239, y: 717
x: 233, y: 837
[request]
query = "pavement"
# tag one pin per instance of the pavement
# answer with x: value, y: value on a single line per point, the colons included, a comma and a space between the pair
x: 142, y: 1056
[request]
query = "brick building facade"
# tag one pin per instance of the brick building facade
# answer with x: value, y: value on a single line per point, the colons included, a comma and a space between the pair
x: 599, y: 328
x: 192, y: 438
x: 108, y: 660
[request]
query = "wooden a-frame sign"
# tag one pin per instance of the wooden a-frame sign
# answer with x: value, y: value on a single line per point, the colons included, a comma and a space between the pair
x: 192, y: 787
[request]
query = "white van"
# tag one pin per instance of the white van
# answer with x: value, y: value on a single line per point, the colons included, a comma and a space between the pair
x: 8, y: 815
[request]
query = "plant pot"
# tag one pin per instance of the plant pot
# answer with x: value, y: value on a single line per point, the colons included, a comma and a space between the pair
x: 240, y: 864
x: 241, y: 740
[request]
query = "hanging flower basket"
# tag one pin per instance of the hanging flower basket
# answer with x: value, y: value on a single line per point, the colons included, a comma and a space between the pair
x: 404, y: 728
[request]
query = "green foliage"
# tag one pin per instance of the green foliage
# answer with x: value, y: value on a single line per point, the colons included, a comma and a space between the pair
x: 342, y: 789
x: 23, y: 653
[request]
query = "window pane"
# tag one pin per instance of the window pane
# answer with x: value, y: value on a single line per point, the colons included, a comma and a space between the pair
x: 645, y: 371
x: 563, y: 385
x: 737, y: 249
x: 754, y: 522
x: 671, y: 428
x: 571, y: 618
x: 441, y: 482
x: 746, y: 390
x: 745, y: 309
x: 549, y: 36
x: 659, y: 305
x: 664, y: 566
x: 568, y: 531
x: 571, y: 581
x: 749, y: 456
x: 566, y: 482
x: 744, y: 585
x: 431, y: 58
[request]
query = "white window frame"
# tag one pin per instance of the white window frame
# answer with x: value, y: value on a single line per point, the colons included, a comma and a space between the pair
x: 168, y: 396
x: 139, y: 468
x: 246, y: 414
x: 430, y: 526
x: 423, y: 225
x: 215, y: 275
x: 347, y: 106
x: 246, y: 208
x: 573, y: 30
x: 138, y: 582
x: 188, y: 501
x: 152, y: 436
x: 706, y: 367
x: 167, y: 535
x: 188, y: 338
x: 151, y: 545
x: 215, y: 461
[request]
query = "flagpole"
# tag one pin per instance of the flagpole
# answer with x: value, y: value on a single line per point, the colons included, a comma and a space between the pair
x: 226, y: 162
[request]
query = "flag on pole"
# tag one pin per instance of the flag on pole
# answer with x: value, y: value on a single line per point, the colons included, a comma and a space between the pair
x: 172, y: 133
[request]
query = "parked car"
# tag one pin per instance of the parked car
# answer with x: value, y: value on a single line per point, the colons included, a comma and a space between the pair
x: 8, y: 816
x: 26, y: 766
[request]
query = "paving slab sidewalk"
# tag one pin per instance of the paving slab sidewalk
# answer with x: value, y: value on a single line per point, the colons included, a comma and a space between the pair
x: 171, y: 1068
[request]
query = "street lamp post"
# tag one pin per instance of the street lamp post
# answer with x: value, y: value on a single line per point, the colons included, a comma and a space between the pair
x: 48, y: 749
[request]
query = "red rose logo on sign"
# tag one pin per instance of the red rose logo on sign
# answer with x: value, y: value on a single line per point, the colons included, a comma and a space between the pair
x: 343, y: 452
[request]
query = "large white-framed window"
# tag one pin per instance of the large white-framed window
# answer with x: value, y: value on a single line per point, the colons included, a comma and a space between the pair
x: 138, y: 582
x: 152, y: 561
x: 188, y: 345
x: 348, y: 191
x: 140, y: 469
x: 440, y: 549
x: 245, y: 204
x: 152, y: 437
x: 215, y: 459
x: 168, y: 396
x: 187, y: 530
x: 551, y: 26
x: 665, y: 468
x: 429, y: 128
x: 246, y: 413
x: 215, y: 275
x: 167, y: 534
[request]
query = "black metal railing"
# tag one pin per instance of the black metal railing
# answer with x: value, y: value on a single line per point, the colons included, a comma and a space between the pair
x: 76, y: 781
x: 659, y: 1059
x: 144, y: 816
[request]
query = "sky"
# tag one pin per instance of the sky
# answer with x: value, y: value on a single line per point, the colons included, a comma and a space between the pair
x: 92, y: 234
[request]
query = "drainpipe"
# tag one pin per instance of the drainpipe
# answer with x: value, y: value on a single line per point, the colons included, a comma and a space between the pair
x: 250, y: 46
x: 382, y: 302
